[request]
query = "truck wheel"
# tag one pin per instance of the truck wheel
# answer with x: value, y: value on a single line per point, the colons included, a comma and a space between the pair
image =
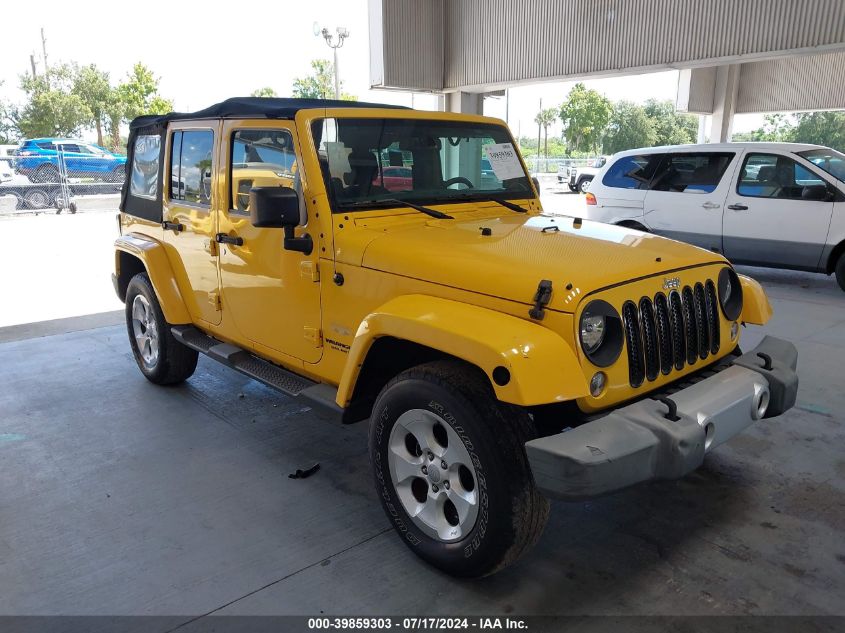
x: 840, y: 271
x: 36, y: 199
x: 160, y: 357
x: 451, y: 471
x: 584, y: 184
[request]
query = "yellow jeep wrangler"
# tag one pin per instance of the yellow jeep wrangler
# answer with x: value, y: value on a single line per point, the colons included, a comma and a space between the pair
x: 501, y: 355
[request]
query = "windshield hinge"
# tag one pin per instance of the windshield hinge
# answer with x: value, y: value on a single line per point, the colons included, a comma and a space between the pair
x: 541, y: 300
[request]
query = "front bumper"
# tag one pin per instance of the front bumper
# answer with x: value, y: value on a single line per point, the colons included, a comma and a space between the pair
x: 644, y: 441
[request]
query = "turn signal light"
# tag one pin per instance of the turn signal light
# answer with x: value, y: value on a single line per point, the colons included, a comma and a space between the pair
x: 591, y: 199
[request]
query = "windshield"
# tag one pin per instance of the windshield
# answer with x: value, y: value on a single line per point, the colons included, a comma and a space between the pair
x: 829, y: 160
x: 368, y: 162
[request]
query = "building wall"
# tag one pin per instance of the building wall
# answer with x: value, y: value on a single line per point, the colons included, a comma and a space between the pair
x: 813, y: 82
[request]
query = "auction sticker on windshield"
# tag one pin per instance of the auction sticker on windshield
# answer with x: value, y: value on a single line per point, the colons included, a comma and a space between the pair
x: 504, y: 161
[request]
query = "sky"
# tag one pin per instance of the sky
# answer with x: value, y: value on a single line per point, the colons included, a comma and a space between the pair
x: 203, y: 54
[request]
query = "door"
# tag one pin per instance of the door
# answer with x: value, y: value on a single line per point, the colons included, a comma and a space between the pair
x: 686, y: 196
x: 770, y: 220
x: 271, y: 294
x: 190, y: 206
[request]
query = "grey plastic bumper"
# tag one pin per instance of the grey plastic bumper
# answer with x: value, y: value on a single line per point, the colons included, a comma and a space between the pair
x: 639, y: 443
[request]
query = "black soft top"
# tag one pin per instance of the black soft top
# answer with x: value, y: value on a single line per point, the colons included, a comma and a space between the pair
x: 246, y: 107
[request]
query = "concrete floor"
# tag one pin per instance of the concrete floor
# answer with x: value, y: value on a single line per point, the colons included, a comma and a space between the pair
x: 119, y: 497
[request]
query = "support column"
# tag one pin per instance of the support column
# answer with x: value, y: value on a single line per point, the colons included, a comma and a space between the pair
x: 724, y: 103
x: 466, y: 102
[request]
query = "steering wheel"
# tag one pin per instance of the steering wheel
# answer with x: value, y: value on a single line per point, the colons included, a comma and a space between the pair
x: 459, y: 180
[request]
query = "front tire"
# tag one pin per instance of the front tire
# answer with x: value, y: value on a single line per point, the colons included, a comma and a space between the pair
x: 451, y: 471
x: 840, y: 271
x: 161, y: 358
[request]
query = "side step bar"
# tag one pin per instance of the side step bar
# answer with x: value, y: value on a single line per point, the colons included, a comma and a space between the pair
x: 289, y: 383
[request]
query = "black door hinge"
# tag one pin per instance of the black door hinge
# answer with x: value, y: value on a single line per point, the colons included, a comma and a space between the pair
x: 541, y: 299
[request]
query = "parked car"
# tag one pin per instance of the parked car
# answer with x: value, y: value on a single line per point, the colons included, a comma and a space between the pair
x: 780, y: 205
x: 7, y: 161
x: 579, y: 178
x: 395, y: 178
x: 38, y: 160
x: 501, y: 355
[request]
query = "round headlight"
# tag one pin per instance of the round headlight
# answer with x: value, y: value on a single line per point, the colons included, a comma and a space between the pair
x: 730, y: 294
x: 592, y: 332
x: 600, y: 333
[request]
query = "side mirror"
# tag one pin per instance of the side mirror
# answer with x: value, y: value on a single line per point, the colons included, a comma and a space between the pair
x: 278, y: 208
x: 816, y: 192
x: 273, y: 207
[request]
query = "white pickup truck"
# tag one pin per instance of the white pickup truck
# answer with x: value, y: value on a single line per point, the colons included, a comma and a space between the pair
x: 579, y: 178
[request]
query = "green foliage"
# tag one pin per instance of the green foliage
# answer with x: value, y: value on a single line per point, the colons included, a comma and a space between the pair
x: 821, y: 128
x: 545, y: 118
x: 8, y: 134
x: 672, y: 128
x: 92, y: 86
x: 629, y: 127
x: 777, y: 129
x: 52, y: 108
x: 319, y: 84
x: 585, y: 115
x: 266, y: 91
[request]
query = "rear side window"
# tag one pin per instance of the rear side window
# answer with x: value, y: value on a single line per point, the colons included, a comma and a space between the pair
x: 191, y: 166
x: 145, y: 166
x: 691, y: 173
x: 631, y: 172
x: 774, y: 176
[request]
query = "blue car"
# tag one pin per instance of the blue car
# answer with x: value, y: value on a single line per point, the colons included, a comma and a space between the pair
x: 38, y: 160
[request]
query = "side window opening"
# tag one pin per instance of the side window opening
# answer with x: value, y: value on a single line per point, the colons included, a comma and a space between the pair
x: 145, y: 166
x: 260, y: 158
x: 691, y: 173
x: 191, y: 166
x: 775, y: 176
x: 631, y: 172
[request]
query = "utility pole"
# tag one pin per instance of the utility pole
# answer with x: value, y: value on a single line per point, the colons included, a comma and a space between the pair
x: 44, y: 48
x: 342, y: 34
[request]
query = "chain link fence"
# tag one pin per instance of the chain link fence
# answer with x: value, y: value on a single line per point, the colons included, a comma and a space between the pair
x: 44, y: 175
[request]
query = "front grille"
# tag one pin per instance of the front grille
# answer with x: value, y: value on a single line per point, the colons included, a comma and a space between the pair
x: 667, y: 333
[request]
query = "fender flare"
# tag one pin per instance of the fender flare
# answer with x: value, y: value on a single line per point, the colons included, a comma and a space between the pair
x: 543, y: 369
x: 756, y: 308
x: 152, y: 255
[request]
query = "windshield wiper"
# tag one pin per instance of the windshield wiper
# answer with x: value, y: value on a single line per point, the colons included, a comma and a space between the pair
x: 504, y: 203
x: 397, y: 202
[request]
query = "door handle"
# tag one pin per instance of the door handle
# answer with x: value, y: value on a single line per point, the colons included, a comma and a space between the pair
x: 172, y: 226
x: 711, y: 205
x: 222, y: 238
x: 737, y: 207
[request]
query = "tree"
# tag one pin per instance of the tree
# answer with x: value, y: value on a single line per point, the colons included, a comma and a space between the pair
x: 821, y: 128
x: 264, y: 92
x: 544, y: 119
x: 319, y: 84
x: 629, y: 127
x: 136, y: 95
x: 92, y: 86
x: 7, y: 123
x: 52, y: 108
x: 671, y: 127
x: 777, y: 128
x: 584, y: 114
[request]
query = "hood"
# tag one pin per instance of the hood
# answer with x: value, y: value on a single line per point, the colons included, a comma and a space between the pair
x: 520, y: 251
